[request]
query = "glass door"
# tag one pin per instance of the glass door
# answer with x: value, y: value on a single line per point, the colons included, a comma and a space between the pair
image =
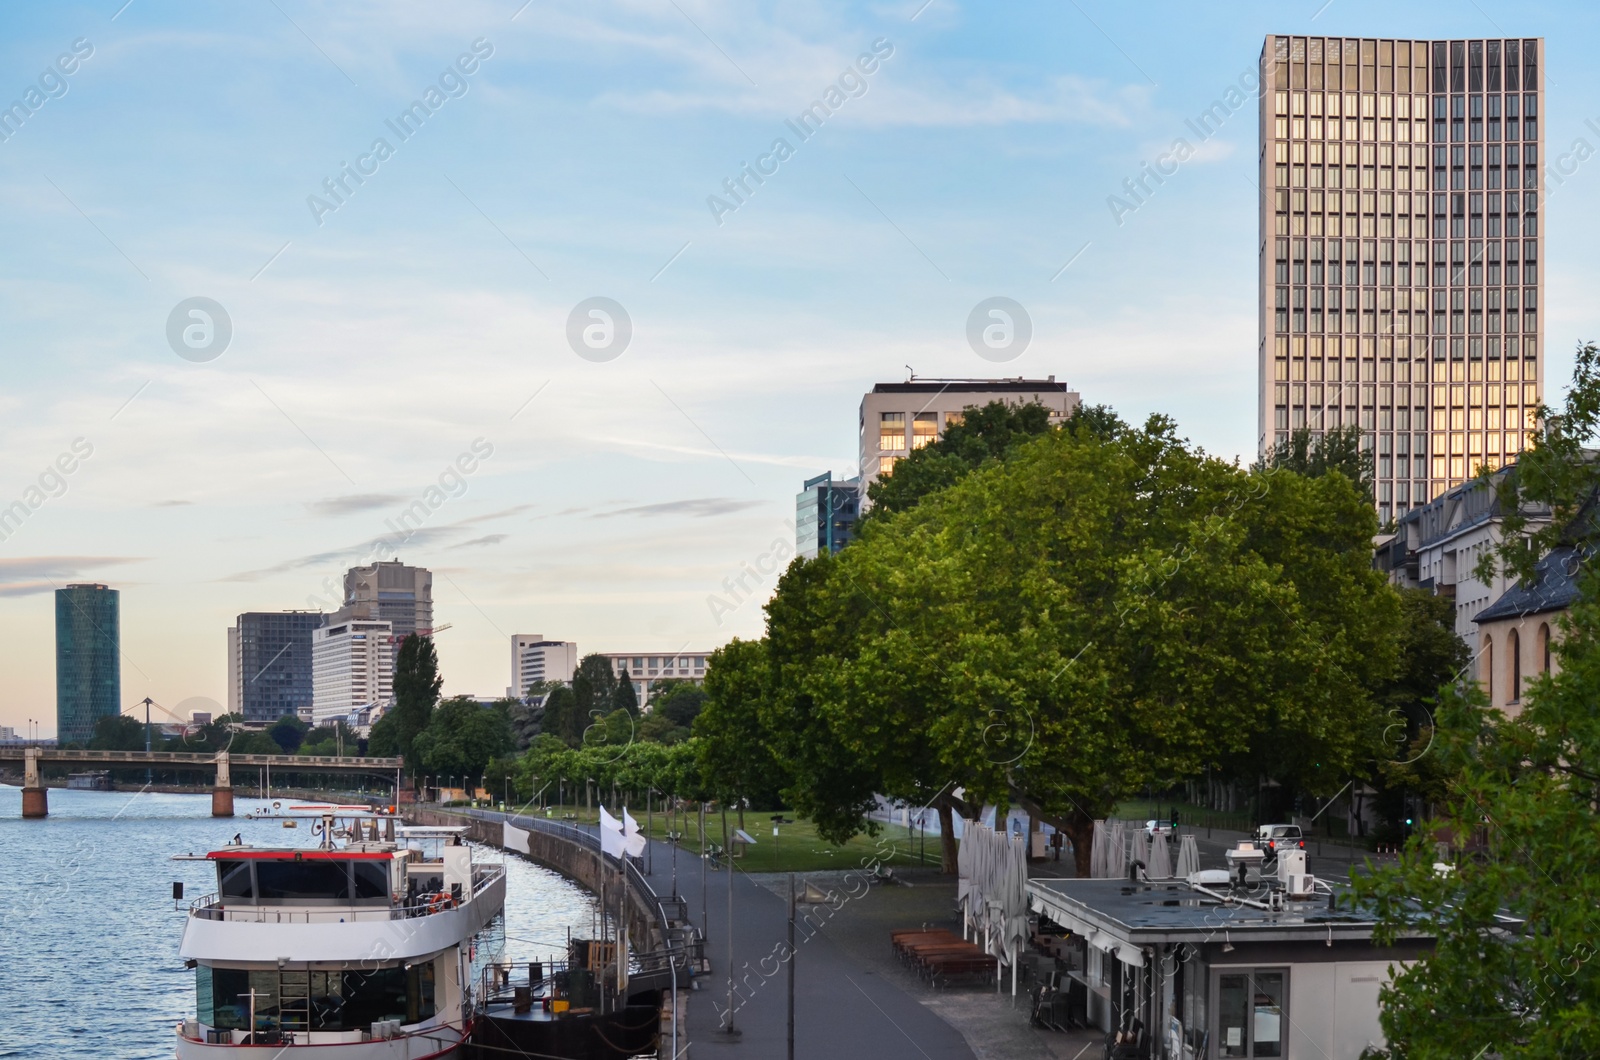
x: 1250, y: 1015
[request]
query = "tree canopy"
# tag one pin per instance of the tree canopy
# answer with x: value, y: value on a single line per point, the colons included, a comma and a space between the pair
x: 1098, y: 612
x: 983, y: 435
x: 1336, y: 449
x: 463, y: 737
x: 416, y: 691
x: 1520, y: 807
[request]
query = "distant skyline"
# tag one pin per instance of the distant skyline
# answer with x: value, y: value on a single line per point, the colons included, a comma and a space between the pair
x: 367, y: 314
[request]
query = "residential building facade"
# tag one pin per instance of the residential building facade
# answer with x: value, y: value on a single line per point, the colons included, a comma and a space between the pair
x: 88, y: 660
x: 1517, y: 634
x: 352, y: 669
x: 1400, y: 250
x: 896, y: 418
x: 647, y: 670
x: 1437, y: 546
x: 534, y: 657
x: 269, y: 663
x: 825, y: 513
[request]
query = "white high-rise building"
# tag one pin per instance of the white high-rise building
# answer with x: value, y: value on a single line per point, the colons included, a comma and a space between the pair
x: 352, y: 669
x: 645, y: 671
x: 534, y: 658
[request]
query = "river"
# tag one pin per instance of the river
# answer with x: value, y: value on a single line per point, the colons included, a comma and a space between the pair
x: 89, y: 934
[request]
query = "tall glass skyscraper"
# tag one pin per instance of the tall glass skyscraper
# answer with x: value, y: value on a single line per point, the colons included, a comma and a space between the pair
x: 1400, y: 249
x: 88, y: 660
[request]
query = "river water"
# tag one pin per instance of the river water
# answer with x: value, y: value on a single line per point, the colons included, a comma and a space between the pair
x: 89, y: 934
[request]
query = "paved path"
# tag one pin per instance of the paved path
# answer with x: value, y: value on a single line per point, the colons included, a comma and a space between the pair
x: 843, y: 1007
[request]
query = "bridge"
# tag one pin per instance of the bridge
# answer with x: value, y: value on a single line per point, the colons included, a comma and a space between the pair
x: 35, y: 800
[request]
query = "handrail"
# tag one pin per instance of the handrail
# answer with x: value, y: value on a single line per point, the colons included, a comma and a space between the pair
x: 208, y: 908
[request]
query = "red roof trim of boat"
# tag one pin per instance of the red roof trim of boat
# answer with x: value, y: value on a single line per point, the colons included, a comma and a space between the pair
x: 302, y: 855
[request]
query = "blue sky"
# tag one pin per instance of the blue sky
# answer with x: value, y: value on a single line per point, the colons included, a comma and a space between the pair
x: 374, y: 343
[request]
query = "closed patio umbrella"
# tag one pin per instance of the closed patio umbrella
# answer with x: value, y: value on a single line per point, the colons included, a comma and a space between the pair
x: 1160, y: 864
x: 1188, y: 857
x: 1097, y: 852
x: 1117, y: 853
x: 1141, y: 847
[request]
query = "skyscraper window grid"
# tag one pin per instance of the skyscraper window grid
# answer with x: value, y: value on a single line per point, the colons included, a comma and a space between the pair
x: 1400, y: 249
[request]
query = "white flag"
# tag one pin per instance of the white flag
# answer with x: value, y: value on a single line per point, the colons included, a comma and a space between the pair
x: 611, y: 841
x: 634, y: 838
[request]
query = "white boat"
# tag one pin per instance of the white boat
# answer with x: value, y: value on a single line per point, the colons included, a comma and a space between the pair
x: 361, y: 948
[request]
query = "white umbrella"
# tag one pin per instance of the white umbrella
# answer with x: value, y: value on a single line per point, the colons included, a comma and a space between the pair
x: 1141, y: 847
x: 1117, y: 855
x: 1188, y: 857
x: 1097, y: 851
x: 1160, y: 865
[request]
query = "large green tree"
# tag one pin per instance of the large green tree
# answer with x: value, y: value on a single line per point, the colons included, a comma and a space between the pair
x: 1099, y: 612
x: 416, y: 691
x: 735, y: 751
x: 1521, y: 813
x: 594, y: 691
x: 463, y: 737
x: 121, y: 733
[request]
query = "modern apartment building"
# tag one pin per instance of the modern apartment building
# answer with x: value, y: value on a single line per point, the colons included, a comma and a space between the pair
x: 269, y: 663
x: 536, y: 658
x: 896, y: 418
x: 352, y: 669
x: 825, y: 513
x: 88, y: 660
x: 1400, y: 286
x: 645, y: 671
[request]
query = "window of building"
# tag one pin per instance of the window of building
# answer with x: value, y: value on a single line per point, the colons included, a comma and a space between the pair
x: 1544, y: 648
x: 924, y: 429
x: 886, y: 465
x: 1486, y: 668
x: 892, y: 431
x: 1250, y: 1013
x: 1513, y: 668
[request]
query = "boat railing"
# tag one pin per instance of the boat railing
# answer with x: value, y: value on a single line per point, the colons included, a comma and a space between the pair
x: 210, y: 908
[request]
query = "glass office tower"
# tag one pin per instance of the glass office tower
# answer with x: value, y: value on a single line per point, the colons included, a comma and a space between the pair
x: 88, y: 660
x: 1400, y: 250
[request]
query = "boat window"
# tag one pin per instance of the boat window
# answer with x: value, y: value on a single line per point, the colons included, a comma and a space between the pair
x: 302, y: 879
x: 234, y: 880
x: 372, y: 879
x: 320, y: 1001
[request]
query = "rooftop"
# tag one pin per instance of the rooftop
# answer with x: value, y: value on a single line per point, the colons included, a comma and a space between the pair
x: 961, y: 386
x: 1554, y: 588
x: 1171, y: 911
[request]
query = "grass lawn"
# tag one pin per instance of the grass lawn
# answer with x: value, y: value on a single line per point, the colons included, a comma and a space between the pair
x: 797, y: 847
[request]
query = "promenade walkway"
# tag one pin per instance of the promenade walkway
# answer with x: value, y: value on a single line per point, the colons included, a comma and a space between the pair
x: 844, y: 1006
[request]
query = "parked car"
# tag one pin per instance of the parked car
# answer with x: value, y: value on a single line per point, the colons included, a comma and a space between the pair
x: 1275, y: 837
x: 1164, y: 829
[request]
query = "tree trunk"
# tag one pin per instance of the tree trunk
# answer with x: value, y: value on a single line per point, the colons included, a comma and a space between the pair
x: 1079, y: 828
x: 947, y: 839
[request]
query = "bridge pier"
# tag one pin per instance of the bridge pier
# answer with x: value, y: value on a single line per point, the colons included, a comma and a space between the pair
x: 35, y: 800
x: 222, y: 792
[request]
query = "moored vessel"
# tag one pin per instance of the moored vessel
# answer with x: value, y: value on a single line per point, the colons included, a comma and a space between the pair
x: 366, y: 946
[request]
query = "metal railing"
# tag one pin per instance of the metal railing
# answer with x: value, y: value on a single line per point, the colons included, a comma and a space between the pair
x: 209, y: 908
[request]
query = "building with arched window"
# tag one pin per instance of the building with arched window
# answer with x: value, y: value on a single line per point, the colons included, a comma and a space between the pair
x: 1517, y: 634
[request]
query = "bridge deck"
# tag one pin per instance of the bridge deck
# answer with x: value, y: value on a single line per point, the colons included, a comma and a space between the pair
x: 289, y: 763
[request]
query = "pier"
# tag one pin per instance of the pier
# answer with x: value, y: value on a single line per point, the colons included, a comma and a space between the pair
x: 35, y: 798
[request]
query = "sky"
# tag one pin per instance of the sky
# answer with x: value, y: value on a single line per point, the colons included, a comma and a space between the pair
x: 381, y: 315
